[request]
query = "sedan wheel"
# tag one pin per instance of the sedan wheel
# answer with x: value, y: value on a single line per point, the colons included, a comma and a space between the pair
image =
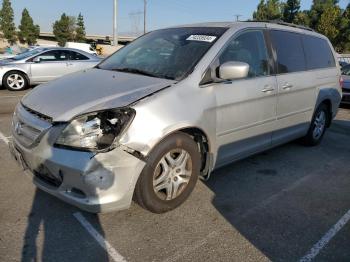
x: 15, y: 81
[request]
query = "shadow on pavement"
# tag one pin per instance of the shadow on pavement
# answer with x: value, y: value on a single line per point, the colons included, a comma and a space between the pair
x: 284, y: 200
x: 62, y: 238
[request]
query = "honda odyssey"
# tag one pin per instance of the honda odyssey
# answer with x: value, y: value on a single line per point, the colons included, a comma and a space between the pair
x: 172, y: 106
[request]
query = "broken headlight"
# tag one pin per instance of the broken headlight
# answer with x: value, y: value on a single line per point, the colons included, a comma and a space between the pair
x: 96, y: 131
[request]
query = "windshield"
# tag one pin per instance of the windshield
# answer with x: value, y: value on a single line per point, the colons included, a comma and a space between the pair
x: 27, y: 54
x: 168, y: 53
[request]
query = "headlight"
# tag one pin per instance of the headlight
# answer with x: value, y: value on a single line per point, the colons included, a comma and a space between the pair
x: 96, y: 131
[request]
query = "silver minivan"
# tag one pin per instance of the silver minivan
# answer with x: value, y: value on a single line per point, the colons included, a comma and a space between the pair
x: 172, y: 106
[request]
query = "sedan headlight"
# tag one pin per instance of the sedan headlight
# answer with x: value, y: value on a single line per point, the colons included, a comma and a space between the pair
x: 96, y: 131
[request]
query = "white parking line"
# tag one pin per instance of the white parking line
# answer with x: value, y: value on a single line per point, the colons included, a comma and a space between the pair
x: 4, y: 138
x: 11, y: 96
x: 188, y: 250
x: 326, y: 238
x: 100, y: 239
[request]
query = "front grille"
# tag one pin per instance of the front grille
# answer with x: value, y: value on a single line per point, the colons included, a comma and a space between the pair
x: 28, y: 127
x: 37, y: 114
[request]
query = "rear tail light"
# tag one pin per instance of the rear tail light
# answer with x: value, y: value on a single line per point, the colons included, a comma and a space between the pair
x: 341, y: 82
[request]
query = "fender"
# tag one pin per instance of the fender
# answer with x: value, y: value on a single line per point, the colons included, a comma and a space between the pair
x: 14, y: 69
x: 332, y: 95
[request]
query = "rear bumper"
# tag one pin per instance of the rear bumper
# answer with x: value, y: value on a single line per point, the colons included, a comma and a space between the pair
x: 96, y: 183
x: 346, y: 97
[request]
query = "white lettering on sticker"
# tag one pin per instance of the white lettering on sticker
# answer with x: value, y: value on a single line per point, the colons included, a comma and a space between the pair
x: 203, y: 38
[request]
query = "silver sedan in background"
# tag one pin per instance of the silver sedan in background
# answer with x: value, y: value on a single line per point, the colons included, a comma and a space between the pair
x: 41, y: 65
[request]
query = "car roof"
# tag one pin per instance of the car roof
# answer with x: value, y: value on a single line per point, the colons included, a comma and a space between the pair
x: 61, y: 48
x: 260, y: 24
x: 68, y: 49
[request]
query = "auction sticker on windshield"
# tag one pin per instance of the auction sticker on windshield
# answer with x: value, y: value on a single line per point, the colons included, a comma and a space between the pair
x: 203, y: 38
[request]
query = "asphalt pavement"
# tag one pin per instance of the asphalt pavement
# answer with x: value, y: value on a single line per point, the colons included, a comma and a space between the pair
x: 281, y: 205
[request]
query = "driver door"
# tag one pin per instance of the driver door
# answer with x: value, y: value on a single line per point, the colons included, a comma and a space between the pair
x: 246, y: 108
x: 49, y: 65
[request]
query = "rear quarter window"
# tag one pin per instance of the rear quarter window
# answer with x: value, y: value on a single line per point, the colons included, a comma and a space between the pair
x: 289, y: 50
x: 318, y: 53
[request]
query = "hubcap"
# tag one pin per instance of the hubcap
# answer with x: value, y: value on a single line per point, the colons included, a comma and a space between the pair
x: 319, y: 125
x: 172, y: 174
x: 15, y: 81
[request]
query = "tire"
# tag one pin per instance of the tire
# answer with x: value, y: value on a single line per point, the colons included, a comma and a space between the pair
x: 155, y: 190
x: 15, y: 81
x: 318, y: 126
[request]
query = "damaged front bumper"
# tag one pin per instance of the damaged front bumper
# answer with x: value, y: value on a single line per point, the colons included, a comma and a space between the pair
x: 95, y: 182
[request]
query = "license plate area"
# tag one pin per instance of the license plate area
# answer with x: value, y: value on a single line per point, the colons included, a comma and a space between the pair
x: 18, y: 156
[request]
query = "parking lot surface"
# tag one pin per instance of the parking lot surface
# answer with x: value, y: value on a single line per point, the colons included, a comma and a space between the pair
x: 273, y: 206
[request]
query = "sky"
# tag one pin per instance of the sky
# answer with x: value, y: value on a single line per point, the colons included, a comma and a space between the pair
x: 98, y: 15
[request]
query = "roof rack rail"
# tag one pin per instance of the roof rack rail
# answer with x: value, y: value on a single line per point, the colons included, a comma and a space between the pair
x: 280, y: 22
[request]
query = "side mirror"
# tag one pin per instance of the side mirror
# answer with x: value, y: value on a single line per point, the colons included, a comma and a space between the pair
x: 36, y: 60
x: 233, y: 70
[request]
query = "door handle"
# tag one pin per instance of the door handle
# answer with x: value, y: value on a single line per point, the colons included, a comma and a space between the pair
x: 287, y: 86
x: 267, y: 88
x: 69, y: 64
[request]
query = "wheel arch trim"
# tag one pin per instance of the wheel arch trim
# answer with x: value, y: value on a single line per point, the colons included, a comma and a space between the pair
x: 15, y: 70
x: 332, y: 97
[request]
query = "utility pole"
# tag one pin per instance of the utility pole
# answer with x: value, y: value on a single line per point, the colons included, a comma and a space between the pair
x: 144, y: 15
x: 115, y: 21
x: 237, y: 17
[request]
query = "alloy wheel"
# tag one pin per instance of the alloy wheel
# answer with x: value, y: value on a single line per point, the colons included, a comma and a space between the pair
x: 319, y: 125
x: 172, y: 174
x: 15, y: 81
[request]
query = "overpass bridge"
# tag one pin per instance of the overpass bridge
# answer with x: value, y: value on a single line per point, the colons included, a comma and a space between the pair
x: 91, y: 38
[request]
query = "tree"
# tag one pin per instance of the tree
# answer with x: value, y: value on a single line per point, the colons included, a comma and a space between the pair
x: 290, y: 10
x: 343, y: 38
x: 302, y: 18
x: 268, y: 10
x: 318, y: 8
x: 80, y: 33
x: 328, y: 23
x: 6, y: 23
x: 324, y: 16
x: 28, y: 32
x: 64, y: 29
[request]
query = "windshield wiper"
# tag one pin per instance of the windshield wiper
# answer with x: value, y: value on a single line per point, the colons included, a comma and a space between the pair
x: 135, y: 71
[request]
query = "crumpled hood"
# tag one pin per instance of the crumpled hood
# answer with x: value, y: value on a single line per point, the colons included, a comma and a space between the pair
x: 90, y: 90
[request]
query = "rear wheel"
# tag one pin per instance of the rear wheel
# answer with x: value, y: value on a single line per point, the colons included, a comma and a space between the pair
x: 15, y: 81
x: 170, y: 174
x: 318, y: 126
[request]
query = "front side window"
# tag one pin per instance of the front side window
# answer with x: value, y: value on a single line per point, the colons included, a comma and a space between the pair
x: 290, y: 52
x: 318, y: 53
x: 53, y: 56
x: 249, y: 47
x: 168, y: 53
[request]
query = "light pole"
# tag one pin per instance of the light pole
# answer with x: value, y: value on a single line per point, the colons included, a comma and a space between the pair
x: 237, y: 17
x: 144, y: 15
x: 115, y: 23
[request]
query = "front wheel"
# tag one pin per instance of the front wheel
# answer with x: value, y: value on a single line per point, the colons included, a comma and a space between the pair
x: 15, y: 81
x: 318, y: 126
x: 170, y: 174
